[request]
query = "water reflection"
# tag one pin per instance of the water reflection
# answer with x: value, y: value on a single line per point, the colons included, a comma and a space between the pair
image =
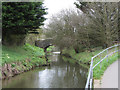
x: 59, y: 75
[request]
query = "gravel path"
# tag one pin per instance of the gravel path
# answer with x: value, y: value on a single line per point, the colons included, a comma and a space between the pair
x: 110, y: 77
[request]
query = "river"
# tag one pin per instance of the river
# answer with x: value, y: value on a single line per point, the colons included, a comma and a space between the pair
x: 59, y: 74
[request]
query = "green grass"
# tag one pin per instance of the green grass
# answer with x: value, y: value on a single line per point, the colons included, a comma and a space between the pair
x: 13, y: 54
x: 98, y: 72
x: 50, y: 48
x: 84, y: 57
x: 20, y: 54
x: 70, y: 60
x: 22, y: 59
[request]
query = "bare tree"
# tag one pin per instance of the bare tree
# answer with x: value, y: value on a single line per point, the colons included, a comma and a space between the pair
x: 103, y: 17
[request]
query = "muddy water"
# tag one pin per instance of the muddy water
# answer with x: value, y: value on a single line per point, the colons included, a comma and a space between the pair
x: 59, y: 75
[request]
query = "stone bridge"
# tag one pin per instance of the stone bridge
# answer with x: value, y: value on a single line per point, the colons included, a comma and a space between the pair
x: 45, y: 43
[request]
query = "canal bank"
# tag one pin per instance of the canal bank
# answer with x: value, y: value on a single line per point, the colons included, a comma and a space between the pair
x: 16, y: 60
x: 59, y: 74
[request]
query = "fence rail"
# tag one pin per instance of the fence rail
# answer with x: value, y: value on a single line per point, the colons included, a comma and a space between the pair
x: 89, y: 82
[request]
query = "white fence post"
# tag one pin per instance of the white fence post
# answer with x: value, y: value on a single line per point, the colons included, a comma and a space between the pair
x: 107, y: 55
x: 100, y: 62
x: 115, y: 49
x: 90, y: 75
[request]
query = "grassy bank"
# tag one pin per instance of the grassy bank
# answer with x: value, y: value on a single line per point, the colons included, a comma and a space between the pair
x: 84, y: 58
x: 19, y: 59
x: 100, y: 69
x: 16, y: 54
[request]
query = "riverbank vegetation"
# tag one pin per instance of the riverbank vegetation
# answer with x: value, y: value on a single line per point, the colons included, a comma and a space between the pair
x: 50, y: 48
x: 15, y: 54
x: 82, y: 57
x: 16, y: 60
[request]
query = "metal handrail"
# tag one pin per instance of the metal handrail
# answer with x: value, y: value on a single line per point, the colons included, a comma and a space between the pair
x: 90, y: 75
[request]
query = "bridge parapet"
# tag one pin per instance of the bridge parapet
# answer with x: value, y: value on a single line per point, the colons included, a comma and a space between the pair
x: 44, y: 43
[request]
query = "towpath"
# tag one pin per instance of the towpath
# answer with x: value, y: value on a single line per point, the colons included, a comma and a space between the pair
x: 110, y: 77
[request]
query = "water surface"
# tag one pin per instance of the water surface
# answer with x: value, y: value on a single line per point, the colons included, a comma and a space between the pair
x: 59, y: 75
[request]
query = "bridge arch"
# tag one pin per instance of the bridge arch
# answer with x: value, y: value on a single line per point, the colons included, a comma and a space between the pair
x: 44, y: 43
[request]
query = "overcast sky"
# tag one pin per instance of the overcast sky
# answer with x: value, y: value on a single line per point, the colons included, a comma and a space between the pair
x: 54, y: 6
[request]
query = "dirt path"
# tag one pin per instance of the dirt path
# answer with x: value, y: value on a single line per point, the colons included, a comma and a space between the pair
x: 110, y: 77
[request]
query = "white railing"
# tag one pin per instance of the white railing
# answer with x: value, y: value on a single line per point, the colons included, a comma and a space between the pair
x: 89, y: 82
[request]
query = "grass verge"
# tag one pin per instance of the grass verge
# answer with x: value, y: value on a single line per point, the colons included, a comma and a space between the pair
x: 100, y: 68
x: 82, y: 57
x: 19, y: 54
x: 20, y: 59
x: 85, y: 57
